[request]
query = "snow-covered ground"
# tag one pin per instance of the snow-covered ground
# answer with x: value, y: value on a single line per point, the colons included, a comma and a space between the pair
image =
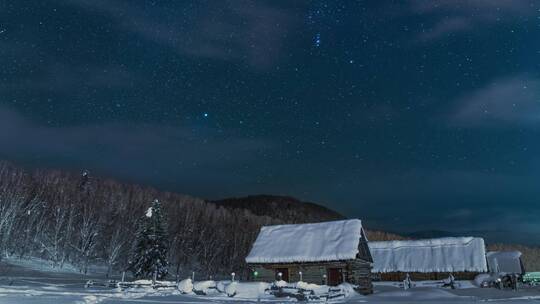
x: 22, y: 285
x: 41, y: 265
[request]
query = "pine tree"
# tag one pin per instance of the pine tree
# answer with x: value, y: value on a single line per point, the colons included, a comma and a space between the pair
x: 149, y: 253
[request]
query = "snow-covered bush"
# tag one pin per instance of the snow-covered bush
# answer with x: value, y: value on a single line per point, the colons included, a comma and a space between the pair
x: 221, y: 285
x: 280, y: 283
x: 205, y: 287
x: 143, y: 282
x: 306, y: 286
x: 317, y: 289
x: 347, y: 289
x: 185, y: 286
x: 230, y: 290
x: 251, y: 290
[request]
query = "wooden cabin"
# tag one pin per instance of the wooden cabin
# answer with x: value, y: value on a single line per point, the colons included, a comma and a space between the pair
x: 321, y: 253
x: 430, y: 259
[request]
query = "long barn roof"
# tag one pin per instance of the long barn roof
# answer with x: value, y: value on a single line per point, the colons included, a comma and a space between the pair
x: 452, y: 254
x: 317, y: 242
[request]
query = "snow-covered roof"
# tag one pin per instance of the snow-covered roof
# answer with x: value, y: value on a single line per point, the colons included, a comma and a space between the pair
x: 504, y: 254
x: 317, y: 242
x: 504, y: 261
x: 452, y: 254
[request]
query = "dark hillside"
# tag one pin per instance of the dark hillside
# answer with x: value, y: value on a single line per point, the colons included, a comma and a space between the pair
x: 284, y: 208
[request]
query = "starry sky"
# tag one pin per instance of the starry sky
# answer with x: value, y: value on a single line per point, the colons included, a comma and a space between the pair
x: 412, y: 115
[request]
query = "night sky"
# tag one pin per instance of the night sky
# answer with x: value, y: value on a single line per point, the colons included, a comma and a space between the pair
x: 412, y: 115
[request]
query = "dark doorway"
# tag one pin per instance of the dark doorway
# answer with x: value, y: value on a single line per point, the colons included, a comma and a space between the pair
x: 335, y: 276
x: 284, y: 274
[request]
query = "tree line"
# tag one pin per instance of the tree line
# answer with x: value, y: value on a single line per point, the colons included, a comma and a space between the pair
x: 80, y: 220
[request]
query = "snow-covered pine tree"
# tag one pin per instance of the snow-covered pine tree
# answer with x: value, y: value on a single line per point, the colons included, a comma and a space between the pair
x: 149, y: 252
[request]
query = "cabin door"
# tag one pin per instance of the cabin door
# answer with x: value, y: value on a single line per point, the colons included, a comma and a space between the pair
x: 284, y: 274
x: 335, y: 276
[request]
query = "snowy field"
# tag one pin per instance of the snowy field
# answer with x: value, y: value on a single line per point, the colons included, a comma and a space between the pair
x: 22, y: 285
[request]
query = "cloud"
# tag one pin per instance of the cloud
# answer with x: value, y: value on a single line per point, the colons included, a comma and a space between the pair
x: 443, y: 198
x: 234, y: 30
x: 446, y: 26
x: 455, y: 16
x: 467, y: 6
x: 189, y: 156
x: 507, y: 101
x: 61, y: 78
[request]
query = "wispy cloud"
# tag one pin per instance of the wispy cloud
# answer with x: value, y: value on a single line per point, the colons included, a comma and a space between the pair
x: 507, y: 101
x: 447, y: 26
x: 468, y: 6
x: 455, y: 16
x: 195, y: 156
x: 239, y: 30
x: 59, y: 77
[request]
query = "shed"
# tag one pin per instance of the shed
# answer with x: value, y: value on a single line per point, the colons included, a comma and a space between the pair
x: 429, y: 259
x: 321, y: 253
x: 505, y: 262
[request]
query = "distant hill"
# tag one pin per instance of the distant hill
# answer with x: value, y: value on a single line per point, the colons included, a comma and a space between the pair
x: 430, y: 234
x: 282, y: 208
x: 373, y: 236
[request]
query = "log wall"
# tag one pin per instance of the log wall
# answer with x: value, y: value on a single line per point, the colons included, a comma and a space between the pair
x: 359, y: 273
x: 428, y: 276
x: 356, y: 272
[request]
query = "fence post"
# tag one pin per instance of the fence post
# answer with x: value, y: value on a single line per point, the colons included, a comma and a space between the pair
x: 407, y: 283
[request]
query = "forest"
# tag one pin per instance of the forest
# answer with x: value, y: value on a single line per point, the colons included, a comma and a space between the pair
x: 81, y: 220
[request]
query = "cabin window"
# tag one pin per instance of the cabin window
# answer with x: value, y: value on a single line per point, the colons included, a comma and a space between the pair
x: 284, y: 274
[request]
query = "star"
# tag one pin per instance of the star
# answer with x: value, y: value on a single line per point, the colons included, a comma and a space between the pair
x: 317, y: 40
